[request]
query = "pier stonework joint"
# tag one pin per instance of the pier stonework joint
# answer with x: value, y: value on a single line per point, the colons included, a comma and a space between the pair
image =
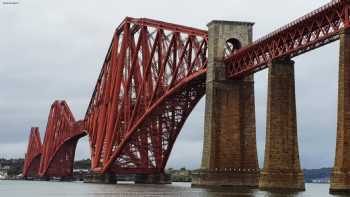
x: 340, y: 180
x: 282, y: 169
x: 229, y: 149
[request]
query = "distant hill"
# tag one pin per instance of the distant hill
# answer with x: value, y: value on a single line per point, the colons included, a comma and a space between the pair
x: 313, y: 174
x: 14, y: 167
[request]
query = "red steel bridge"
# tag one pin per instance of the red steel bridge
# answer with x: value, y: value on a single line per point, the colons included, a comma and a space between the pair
x: 152, y: 77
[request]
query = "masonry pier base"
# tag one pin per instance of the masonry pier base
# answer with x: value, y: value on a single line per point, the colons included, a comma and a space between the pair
x: 243, y: 179
x: 339, y: 183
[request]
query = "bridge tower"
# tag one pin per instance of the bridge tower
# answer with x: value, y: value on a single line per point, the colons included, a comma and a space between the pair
x: 229, y: 150
x: 281, y: 165
x: 340, y: 181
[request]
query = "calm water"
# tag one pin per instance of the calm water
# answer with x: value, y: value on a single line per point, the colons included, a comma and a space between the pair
x: 48, y: 189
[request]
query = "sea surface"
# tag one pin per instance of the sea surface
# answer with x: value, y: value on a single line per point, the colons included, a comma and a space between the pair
x: 68, y: 189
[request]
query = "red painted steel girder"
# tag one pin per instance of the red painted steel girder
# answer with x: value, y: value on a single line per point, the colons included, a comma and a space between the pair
x: 311, y: 31
x: 33, y: 155
x: 152, y: 77
x: 61, y: 135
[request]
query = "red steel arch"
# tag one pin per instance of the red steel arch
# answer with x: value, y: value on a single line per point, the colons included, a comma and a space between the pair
x: 61, y: 136
x: 33, y: 155
x: 152, y: 77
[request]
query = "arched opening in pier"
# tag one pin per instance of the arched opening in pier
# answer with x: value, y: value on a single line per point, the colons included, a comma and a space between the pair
x: 232, y: 45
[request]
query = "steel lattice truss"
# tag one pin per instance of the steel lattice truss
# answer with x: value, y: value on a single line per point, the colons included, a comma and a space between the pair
x: 144, y: 94
x: 311, y: 31
x: 152, y: 77
x: 61, y: 135
x: 33, y: 155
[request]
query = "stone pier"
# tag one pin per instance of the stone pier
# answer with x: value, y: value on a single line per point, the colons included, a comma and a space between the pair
x: 281, y: 166
x: 229, y: 150
x: 340, y: 180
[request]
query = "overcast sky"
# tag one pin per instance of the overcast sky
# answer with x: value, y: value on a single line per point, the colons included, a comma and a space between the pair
x: 54, y: 50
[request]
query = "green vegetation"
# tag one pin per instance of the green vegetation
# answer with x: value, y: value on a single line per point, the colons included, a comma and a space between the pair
x: 182, y: 175
x: 13, y: 167
x: 82, y: 164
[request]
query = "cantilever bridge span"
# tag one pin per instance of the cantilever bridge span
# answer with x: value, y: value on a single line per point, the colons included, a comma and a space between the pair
x: 155, y: 73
